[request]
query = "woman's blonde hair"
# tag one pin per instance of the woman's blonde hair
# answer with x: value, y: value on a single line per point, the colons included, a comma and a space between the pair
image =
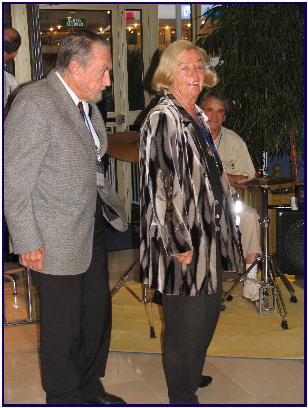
x: 162, y: 78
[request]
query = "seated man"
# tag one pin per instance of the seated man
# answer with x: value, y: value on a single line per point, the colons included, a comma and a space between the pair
x: 238, y: 165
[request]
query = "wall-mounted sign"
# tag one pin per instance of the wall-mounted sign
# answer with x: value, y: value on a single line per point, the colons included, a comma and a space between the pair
x: 75, y: 22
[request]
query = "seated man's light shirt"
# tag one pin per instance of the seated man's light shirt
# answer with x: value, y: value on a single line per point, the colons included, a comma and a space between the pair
x: 86, y: 111
x: 234, y: 154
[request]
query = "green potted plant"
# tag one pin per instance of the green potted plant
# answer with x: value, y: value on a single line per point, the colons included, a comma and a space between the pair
x: 261, y: 50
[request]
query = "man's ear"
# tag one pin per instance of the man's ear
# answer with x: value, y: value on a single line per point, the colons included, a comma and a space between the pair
x: 74, y: 68
x: 8, y: 56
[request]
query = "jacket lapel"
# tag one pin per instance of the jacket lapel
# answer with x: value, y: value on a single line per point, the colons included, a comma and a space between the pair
x: 68, y: 108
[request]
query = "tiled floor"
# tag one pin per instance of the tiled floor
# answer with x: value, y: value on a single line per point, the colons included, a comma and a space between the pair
x: 139, y: 378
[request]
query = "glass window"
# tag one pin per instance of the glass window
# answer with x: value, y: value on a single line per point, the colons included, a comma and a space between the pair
x: 167, y: 24
x: 206, y: 26
x: 205, y: 8
x: 133, y: 26
x: 57, y: 24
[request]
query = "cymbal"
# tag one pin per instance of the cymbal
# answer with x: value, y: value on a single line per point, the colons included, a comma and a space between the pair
x: 124, y: 146
x: 265, y: 181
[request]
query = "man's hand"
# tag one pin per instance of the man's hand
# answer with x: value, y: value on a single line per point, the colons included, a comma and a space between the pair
x: 233, y: 180
x: 33, y: 259
x: 185, y: 258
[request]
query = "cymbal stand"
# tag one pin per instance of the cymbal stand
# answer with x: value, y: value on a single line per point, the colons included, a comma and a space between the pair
x: 270, y: 293
x: 242, y: 274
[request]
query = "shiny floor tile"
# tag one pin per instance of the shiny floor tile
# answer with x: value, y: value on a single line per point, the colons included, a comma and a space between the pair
x: 139, y: 377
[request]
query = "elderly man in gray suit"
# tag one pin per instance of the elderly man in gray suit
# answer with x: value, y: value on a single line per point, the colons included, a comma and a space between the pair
x: 53, y: 150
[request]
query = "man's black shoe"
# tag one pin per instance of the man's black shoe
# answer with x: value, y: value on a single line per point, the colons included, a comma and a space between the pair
x: 107, y: 399
x: 205, y: 380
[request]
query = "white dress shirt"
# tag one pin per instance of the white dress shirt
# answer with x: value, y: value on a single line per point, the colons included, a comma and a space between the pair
x: 86, y: 111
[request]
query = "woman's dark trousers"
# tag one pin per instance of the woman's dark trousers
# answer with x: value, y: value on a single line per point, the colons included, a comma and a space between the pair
x: 190, y: 323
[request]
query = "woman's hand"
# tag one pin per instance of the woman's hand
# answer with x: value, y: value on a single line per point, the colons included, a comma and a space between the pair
x: 185, y: 258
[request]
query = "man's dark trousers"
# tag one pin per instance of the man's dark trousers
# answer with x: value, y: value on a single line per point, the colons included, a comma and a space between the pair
x: 75, y: 315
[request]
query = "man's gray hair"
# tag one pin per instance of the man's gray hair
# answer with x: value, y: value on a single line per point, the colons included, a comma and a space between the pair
x: 218, y: 95
x: 77, y: 47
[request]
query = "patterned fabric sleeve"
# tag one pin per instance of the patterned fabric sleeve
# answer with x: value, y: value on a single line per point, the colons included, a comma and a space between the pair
x: 163, y: 174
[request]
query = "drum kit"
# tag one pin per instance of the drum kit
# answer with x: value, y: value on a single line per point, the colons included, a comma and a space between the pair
x: 125, y: 146
x: 270, y: 294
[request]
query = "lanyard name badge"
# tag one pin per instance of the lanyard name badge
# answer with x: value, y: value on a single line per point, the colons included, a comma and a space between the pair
x: 99, y: 163
x: 100, y: 173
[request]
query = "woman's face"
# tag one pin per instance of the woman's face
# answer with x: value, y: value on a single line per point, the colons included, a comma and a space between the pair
x: 188, y: 77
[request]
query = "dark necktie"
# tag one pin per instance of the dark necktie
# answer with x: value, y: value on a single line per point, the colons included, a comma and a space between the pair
x: 84, y: 116
x: 81, y: 110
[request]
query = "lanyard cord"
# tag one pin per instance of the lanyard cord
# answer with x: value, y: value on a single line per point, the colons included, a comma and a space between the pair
x: 83, y: 114
x: 208, y: 142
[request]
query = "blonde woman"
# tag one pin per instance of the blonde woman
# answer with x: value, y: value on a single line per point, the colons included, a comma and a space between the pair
x: 187, y: 225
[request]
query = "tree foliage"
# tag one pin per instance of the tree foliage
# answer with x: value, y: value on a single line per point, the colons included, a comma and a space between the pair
x: 262, y: 70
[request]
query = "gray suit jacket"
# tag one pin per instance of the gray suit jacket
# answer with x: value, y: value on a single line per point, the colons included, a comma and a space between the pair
x: 50, y: 176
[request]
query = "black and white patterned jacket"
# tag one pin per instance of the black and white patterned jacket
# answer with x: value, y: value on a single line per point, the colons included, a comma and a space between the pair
x: 179, y: 210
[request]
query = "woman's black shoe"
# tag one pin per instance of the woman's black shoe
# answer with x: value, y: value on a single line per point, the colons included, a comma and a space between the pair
x: 205, y: 381
x: 106, y: 399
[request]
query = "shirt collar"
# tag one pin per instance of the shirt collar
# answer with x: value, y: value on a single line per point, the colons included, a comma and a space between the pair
x: 73, y: 95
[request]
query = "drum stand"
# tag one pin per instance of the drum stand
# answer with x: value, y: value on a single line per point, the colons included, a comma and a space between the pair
x: 121, y: 282
x: 270, y: 294
x: 146, y: 294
